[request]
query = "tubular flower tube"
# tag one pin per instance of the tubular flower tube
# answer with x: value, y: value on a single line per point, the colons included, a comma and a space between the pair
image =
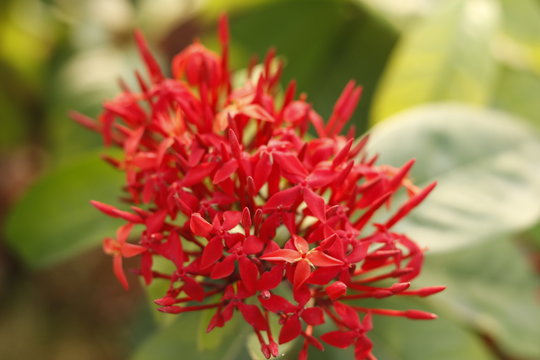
x: 225, y: 184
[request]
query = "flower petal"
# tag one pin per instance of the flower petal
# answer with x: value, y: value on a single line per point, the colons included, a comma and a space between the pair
x: 291, y: 329
x: 286, y: 255
x: 301, y: 273
x: 339, y: 339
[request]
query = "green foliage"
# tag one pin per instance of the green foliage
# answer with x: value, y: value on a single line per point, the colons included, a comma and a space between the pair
x: 401, y: 339
x: 445, y: 57
x: 483, y: 162
x: 484, y: 53
x: 517, y: 92
x: 55, y: 220
x: 491, y: 288
x: 340, y: 41
x: 184, y: 339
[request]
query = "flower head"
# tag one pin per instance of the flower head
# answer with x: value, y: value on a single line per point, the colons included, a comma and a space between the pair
x: 231, y: 190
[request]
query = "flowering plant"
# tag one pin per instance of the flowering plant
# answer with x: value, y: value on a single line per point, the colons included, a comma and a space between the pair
x: 254, y: 215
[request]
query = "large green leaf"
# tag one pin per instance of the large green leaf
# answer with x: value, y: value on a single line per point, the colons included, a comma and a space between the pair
x: 445, y: 58
x: 517, y: 92
x: 55, y: 220
x: 181, y: 340
x: 486, y: 164
x: 491, y: 288
x: 441, y: 339
x: 520, y: 40
x: 325, y: 44
x: 404, y: 339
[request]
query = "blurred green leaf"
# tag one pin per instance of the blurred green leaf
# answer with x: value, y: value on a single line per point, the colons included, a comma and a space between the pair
x: 521, y: 32
x: 13, y: 126
x: 405, y: 339
x: 441, y: 339
x: 179, y: 341
x: 83, y: 83
x: 54, y: 219
x: 486, y: 165
x: 445, y: 58
x: 492, y: 289
x: 517, y: 91
x: 325, y: 44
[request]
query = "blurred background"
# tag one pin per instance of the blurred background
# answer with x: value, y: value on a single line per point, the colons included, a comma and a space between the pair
x: 460, y: 80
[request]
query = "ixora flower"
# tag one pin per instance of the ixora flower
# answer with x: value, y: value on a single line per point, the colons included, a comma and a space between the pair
x: 255, y: 216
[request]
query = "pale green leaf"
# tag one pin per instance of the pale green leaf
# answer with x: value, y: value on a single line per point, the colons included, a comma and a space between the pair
x: 520, y: 36
x: 486, y: 164
x: 441, y: 339
x: 54, y: 220
x: 518, y: 91
x: 445, y: 57
x: 179, y: 341
x: 493, y: 289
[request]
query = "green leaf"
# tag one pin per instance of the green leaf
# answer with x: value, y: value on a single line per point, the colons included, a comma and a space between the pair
x: 179, y: 341
x: 517, y: 92
x: 404, y: 339
x: 492, y: 289
x: 520, y: 36
x: 485, y: 163
x: 54, y: 220
x: 339, y: 41
x: 441, y: 339
x: 445, y: 58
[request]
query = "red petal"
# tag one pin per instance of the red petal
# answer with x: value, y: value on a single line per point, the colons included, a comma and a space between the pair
x: 253, y: 245
x: 271, y: 279
x: 223, y: 269
x: 212, y: 253
x: 231, y: 219
x: 151, y: 63
x: 276, y: 304
x: 409, y: 205
x: 263, y: 168
x: 313, y: 316
x: 129, y: 250
x: 199, y: 226
x: 302, y: 295
x: 300, y: 244
x: 196, y: 174
x: 256, y: 112
x: 282, y: 255
x: 290, y: 163
x: 249, y: 273
x: 154, y: 222
x: 225, y: 171
x: 117, y: 213
x: 122, y: 233
x: 348, y: 315
x: 285, y: 198
x: 172, y: 249
x: 193, y: 289
x: 339, y: 339
x: 119, y: 271
x: 301, y: 273
x: 290, y: 330
x: 336, y: 290
x: 315, y: 204
x: 253, y: 316
x: 342, y: 154
x: 321, y: 177
x: 246, y: 221
x: 320, y: 259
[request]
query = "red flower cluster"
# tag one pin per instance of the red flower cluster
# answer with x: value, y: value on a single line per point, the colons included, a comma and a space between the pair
x: 252, y: 211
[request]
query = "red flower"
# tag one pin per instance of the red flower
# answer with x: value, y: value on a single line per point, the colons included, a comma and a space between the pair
x: 227, y: 187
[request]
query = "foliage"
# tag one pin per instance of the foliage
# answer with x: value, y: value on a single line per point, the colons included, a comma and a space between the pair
x: 478, y: 59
